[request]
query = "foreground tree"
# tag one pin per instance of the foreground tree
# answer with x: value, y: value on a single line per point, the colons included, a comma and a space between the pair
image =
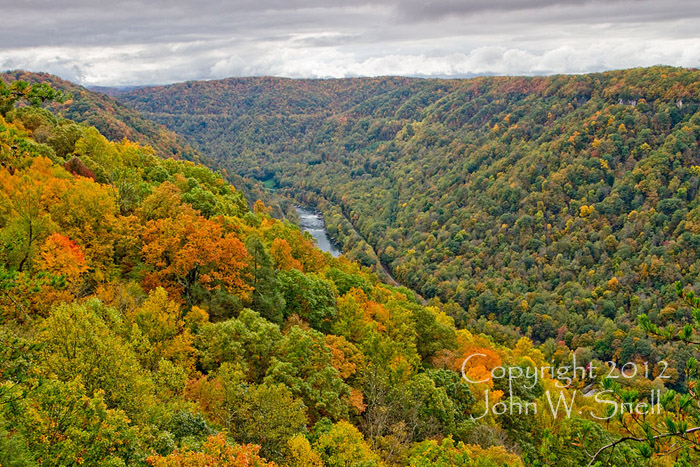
x: 32, y: 94
x: 669, y: 425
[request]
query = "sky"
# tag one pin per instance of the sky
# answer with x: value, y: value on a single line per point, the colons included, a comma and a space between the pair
x: 121, y: 43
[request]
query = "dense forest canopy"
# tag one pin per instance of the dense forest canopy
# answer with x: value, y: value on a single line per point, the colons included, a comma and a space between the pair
x: 149, y: 316
x: 560, y: 206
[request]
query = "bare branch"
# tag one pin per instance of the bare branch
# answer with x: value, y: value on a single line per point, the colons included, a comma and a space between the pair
x: 639, y: 440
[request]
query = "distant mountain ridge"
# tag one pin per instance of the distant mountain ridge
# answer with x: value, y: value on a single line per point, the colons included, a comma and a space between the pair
x: 113, y: 91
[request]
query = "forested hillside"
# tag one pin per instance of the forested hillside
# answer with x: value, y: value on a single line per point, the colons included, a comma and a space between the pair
x: 112, y: 119
x: 561, y: 207
x: 117, y: 121
x: 148, y: 317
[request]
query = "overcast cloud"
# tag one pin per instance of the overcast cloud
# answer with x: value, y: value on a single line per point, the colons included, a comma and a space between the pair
x: 95, y: 42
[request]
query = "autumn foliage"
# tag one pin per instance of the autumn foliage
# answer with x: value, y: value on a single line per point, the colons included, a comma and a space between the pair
x: 62, y: 256
x: 150, y: 317
x: 215, y: 452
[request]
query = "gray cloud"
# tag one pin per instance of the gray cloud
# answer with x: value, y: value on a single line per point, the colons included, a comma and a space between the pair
x: 161, y: 41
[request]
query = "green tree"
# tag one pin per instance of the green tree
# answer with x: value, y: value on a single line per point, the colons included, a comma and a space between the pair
x: 77, y: 343
x: 33, y: 94
x: 267, y: 297
x: 249, y: 340
x: 270, y: 416
x: 303, y: 362
x: 308, y: 296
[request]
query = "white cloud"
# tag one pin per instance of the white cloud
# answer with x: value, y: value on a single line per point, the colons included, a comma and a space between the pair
x: 150, y: 43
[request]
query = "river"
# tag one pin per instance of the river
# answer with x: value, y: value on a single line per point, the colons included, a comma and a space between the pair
x: 312, y: 222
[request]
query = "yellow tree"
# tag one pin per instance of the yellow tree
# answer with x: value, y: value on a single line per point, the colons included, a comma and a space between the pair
x: 344, y: 445
x: 160, y: 321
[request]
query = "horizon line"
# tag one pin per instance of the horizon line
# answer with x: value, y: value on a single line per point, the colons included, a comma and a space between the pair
x: 358, y: 77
